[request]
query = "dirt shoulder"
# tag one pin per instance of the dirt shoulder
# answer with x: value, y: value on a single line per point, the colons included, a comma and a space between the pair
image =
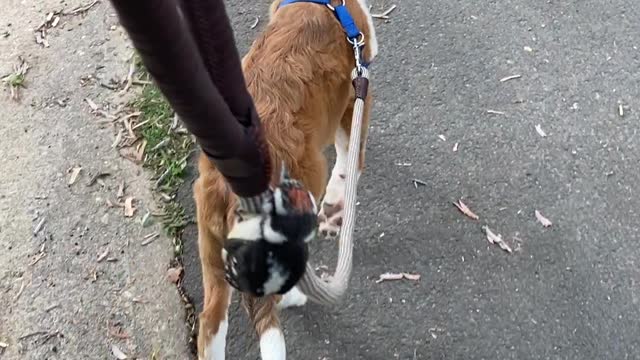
x: 75, y: 277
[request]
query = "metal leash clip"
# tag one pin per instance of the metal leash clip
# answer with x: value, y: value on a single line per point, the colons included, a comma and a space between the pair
x: 357, y: 43
x: 332, y: 8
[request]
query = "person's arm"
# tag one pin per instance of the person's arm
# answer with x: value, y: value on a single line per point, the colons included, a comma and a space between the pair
x: 205, y: 85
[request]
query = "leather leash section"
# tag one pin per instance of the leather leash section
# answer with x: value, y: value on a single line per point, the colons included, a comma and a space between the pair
x: 331, y: 291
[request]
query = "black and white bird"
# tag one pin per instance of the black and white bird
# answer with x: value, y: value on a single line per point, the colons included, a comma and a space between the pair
x: 267, y: 253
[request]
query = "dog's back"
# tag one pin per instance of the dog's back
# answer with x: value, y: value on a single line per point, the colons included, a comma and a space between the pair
x: 298, y: 72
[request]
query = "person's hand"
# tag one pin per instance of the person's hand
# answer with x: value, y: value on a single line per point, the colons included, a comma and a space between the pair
x: 266, y: 250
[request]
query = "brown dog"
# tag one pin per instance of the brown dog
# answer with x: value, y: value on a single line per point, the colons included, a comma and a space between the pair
x: 298, y: 72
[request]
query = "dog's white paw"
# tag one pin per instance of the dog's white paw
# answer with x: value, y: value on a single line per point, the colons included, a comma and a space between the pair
x: 293, y: 297
x: 330, y: 220
x: 331, y: 210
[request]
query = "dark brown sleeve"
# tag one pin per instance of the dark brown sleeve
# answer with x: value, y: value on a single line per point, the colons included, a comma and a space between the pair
x: 229, y: 132
x: 213, y: 35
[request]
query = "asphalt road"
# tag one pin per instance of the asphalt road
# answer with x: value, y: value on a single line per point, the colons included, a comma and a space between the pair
x: 567, y: 292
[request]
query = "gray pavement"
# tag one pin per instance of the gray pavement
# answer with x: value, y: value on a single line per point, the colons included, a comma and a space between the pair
x: 567, y: 292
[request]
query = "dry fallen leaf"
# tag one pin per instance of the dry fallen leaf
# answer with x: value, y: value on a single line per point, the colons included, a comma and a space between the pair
x: 129, y: 210
x: 543, y: 220
x: 465, y: 210
x: 512, y: 77
x: 120, y: 193
x: 398, y: 276
x: 116, y: 331
x: 130, y: 153
x: 97, y: 177
x: 384, y: 15
x: 388, y: 276
x: 496, y: 239
x: 92, y: 105
x: 74, y: 174
x: 148, y: 239
x: 540, y: 131
x: 255, y: 22
x: 38, y: 227
x: 413, y: 277
x: 495, y: 112
x: 173, y: 274
x: 103, y: 255
x: 117, y: 139
x: 140, y: 151
x: 118, y: 353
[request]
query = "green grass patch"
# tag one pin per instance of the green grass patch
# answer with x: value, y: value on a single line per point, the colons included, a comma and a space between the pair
x: 167, y: 152
x: 14, y: 80
x: 166, y: 155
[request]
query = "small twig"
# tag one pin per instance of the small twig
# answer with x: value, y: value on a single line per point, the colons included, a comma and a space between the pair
x: 129, y: 80
x: 108, y: 86
x: 417, y: 182
x: 141, y: 82
x: 385, y: 15
x: 52, y: 307
x: 17, y: 297
x: 120, y: 192
x: 160, y: 145
x: 118, y: 138
x: 140, y: 150
x: 495, y: 112
x: 517, y: 76
x: 39, y: 257
x: 48, y: 337
x: 174, y: 124
x: 81, y: 9
x: 127, y: 124
x: 95, y: 178
x: 149, y: 239
x: 255, y: 23
x: 38, y: 227
x: 106, y: 115
x: 92, y: 105
x: 103, y: 255
x: 35, y: 333
x: 496, y: 239
x: 162, y: 177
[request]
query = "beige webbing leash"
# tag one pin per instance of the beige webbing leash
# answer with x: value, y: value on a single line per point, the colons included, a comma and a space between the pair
x: 329, y: 291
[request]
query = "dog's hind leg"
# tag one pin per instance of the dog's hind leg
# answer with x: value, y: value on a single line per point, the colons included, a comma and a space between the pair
x: 331, y: 210
x: 293, y: 297
x: 263, y: 313
x: 212, y: 207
